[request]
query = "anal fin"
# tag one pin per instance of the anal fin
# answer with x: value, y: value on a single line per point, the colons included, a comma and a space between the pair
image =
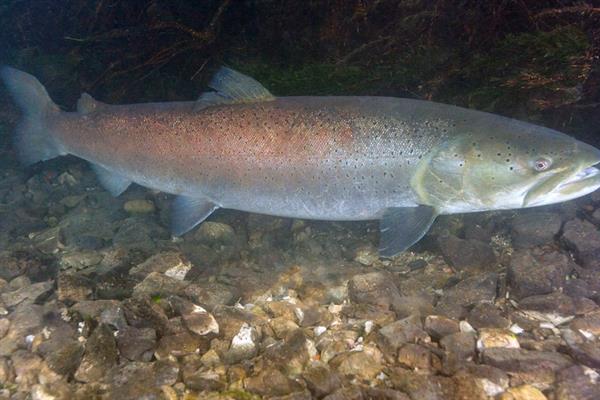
x: 114, y: 183
x: 187, y: 212
x: 401, y: 227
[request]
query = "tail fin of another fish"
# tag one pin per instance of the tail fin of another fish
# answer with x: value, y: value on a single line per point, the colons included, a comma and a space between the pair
x: 32, y: 140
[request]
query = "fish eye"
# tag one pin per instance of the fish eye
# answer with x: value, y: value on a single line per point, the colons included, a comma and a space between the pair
x: 541, y: 164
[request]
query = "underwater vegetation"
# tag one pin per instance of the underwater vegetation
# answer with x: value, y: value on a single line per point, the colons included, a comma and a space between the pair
x: 98, y: 300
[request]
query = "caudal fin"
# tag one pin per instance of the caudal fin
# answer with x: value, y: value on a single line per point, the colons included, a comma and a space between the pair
x: 32, y: 140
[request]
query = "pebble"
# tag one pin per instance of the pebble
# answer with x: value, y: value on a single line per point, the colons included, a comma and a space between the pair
x: 360, y: 364
x: 136, y: 344
x: 397, y: 333
x: 556, y: 308
x: 523, y: 392
x: 243, y: 345
x: 487, y: 315
x: 577, y: 383
x: 584, y: 239
x: 535, y: 229
x: 27, y: 294
x: 139, y: 206
x: 438, y: 326
x: 159, y: 285
x: 211, y: 232
x: 172, y: 264
x: 533, y: 272
x: 376, y: 288
x: 100, y: 355
x: 464, y: 254
x: 489, y: 338
x: 533, y: 367
x: 321, y: 380
x: 474, y: 290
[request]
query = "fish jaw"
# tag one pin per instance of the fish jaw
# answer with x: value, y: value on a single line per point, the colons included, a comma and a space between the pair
x: 568, y: 184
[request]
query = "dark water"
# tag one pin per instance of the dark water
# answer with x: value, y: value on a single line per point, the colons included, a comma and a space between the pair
x: 98, y: 300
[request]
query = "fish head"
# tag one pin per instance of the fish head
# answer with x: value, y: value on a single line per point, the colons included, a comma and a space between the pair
x: 506, y: 165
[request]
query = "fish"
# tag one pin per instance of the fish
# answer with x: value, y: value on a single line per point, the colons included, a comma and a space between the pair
x: 339, y: 158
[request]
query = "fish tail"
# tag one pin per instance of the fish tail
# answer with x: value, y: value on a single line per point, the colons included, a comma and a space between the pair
x: 33, y: 141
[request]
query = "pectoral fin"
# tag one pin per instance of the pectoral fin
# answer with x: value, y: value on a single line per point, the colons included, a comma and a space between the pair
x: 187, y: 212
x: 400, y: 228
x: 114, y: 183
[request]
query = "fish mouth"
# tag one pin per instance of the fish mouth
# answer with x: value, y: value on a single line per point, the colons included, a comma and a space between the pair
x: 581, y: 177
x: 558, y: 188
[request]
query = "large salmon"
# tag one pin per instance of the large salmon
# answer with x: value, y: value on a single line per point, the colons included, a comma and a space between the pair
x: 402, y: 161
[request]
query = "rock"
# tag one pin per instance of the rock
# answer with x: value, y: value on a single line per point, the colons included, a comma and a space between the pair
x: 588, y: 323
x: 7, y: 374
x: 534, y: 367
x: 466, y: 254
x: 49, y: 241
x: 204, y: 381
x: 214, y: 232
x: 72, y: 288
x: 523, y: 392
x: 493, y: 380
x: 198, y: 320
x: 139, y: 206
x: 577, y: 383
x: 413, y: 305
x: 25, y: 320
x: 146, y: 313
x: 585, y: 351
x: 467, y: 293
x: 459, y: 347
x: 282, y: 326
x: 82, y: 223
x: 12, y: 266
x: 438, y: 326
x: 366, y: 255
x: 4, y: 325
x: 20, y: 282
x: 157, y: 284
x: 172, y: 264
x: 534, y: 229
x: 532, y: 272
x: 581, y: 288
x: 271, y: 382
x: 420, y: 386
x: 469, y: 387
x: 137, y: 380
x: 100, y: 355
x: 556, y: 307
x: 291, y: 354
x: 395, y: 334
x: 489, y: 338
x: 28, y: 294
x: 108, y: 312
x: 360, y: 364
x: 375, y: 288
x: 78, y: 260
x: 583, y: 238
x: 243, y: 345
x: 62, y: 354
x: 179, y: 345
x: 487, y: 315
x: 211, y: 294
x: 136, y: 344
x: 414, y: 356
x: 138, y: 234
x: 321, y: 380
x: 26, y: 366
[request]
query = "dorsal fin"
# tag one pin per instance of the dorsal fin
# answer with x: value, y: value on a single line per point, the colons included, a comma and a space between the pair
x: 233, y: 87
x: 87, y: 104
